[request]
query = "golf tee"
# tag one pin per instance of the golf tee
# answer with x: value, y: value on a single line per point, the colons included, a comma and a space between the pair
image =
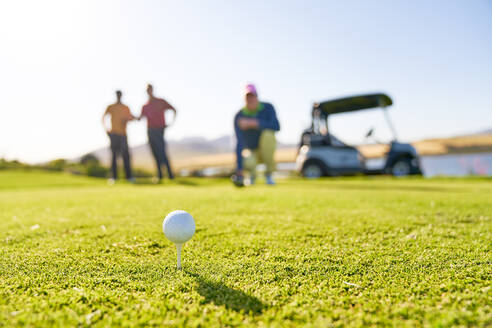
x: 178, y: 251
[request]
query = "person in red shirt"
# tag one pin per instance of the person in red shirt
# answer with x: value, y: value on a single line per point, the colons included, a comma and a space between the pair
x: 154, y: 111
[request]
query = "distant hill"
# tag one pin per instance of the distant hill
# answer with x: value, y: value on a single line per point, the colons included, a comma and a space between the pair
x: 184, y: 152
x: 197, y: 152
x: 484, y: 132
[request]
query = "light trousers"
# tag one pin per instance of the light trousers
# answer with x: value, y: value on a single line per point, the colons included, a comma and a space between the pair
x: 264, y: 154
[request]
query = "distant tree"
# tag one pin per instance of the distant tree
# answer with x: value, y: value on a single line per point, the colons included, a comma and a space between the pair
x: 89, y: 159
x: 56, y: 165
x: 14, y: 164
x: 96, y: 170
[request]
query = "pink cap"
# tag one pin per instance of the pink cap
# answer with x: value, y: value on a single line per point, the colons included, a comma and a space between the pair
x: 249, y: 88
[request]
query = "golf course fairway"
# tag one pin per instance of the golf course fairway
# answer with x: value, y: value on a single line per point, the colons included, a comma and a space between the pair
x: 331, y: 252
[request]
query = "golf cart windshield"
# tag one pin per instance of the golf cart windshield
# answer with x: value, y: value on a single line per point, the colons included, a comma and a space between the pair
x: 322, y: 110
x: 350, y: 104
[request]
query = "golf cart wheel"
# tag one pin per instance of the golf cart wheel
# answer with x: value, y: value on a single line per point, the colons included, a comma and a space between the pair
x: 312, y: 170
x: 401, y: 167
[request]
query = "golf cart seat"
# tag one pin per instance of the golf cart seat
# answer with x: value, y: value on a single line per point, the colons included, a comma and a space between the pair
x: 309, y: 138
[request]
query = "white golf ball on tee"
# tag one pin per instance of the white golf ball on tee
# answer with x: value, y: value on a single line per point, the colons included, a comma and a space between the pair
x: 179, y: 227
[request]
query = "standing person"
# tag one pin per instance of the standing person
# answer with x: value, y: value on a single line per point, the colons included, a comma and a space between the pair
x: 255, y: 126
x: 120, y: 116
x: 154, y: 110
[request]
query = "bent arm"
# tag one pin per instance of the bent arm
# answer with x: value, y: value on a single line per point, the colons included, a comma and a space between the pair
x: 167, y: 105
x: 174, y: 114
x: 269, y: 120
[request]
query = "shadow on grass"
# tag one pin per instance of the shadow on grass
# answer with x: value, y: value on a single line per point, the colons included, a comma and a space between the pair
x: 222, y: 295
x: 185, y: 182
x: 163, y: 182
x: 393, y: 188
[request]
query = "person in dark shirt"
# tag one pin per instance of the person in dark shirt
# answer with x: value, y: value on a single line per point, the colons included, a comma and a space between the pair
x: 154, y: 111
x: 255, y: 126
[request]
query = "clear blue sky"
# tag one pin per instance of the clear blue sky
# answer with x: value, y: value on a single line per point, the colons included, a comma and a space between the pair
x: 60, y: 62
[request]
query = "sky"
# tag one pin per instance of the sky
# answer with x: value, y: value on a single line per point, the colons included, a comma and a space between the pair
x: 61, y: 61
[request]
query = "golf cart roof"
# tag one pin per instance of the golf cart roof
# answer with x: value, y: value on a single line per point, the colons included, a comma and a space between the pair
x: 354, y: 103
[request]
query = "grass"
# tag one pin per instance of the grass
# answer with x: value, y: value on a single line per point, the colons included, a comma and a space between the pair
x: 337, y: 252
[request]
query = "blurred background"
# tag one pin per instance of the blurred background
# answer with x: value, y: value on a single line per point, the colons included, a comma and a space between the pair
x: 61, y: 61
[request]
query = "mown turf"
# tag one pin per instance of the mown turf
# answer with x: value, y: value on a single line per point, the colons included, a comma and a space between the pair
x: 340, y: 252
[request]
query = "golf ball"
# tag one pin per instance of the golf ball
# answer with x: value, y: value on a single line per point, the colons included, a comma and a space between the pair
x: 178, y: 226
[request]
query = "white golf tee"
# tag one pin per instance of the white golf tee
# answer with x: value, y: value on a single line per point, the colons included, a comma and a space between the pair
x: 178, y: 251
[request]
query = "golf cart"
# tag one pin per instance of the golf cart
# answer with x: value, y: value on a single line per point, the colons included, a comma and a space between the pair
x: 322, y: 154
